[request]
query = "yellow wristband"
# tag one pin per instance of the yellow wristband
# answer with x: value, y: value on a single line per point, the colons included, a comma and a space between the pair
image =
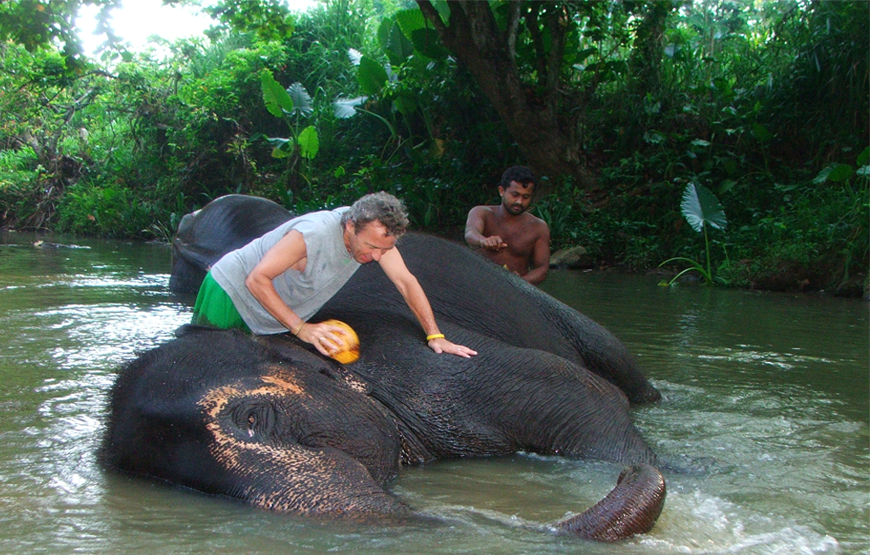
x: 434, y: 336
x: 302, y: 325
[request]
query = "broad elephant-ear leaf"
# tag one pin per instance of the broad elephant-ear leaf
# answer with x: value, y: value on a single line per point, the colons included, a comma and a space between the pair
x: 410, y: 20
x: 700, y: 206
x: 405, y: 104
x: 344, y: 108
x: 276, y: 98
x: 397, y: 46
x: 282, y: 148
x: 309, y: 142
x: 301, y: 99
x: 835, y: 173
x: 372, y: 76
x: 423, y: 38
x: 428, y: 43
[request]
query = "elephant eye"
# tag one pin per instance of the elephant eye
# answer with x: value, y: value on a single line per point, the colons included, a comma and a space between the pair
x: 254, y: 419
x: 252, y: 423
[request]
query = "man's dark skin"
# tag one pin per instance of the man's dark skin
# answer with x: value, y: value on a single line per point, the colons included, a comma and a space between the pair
x: 507, y: 234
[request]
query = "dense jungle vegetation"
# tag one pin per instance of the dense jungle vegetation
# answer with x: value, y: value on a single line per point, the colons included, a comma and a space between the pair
x: 649, y: 121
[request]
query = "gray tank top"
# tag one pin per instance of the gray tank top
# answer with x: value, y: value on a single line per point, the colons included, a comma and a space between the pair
x: 327, y: 269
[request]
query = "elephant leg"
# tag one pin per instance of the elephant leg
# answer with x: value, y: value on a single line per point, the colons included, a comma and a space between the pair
x: 554, y: 407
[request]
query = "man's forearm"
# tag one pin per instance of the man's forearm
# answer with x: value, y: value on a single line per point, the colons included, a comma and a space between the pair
x: 537, y: 275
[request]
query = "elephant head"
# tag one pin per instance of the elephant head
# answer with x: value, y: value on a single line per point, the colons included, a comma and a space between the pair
x: 217, y: 412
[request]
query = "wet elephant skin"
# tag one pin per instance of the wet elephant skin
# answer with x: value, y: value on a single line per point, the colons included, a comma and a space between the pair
x: 265, y: 421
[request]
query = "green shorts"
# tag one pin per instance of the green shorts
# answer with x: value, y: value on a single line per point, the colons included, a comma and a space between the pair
x: 215, y: 308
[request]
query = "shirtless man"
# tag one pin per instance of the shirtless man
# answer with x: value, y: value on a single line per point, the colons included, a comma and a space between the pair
x: 507, y: 234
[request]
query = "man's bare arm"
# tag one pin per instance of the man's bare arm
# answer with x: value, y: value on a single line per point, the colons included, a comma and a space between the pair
x: 474, y: 226
x: 394, y: 267
x: 288, y: 254
x: 540, y: 263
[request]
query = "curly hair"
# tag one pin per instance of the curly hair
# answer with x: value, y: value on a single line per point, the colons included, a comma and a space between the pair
x: 378, y: 207
x: 521, y: 174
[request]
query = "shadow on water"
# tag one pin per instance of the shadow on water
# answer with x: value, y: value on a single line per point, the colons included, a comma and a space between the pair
x: 769, y: 391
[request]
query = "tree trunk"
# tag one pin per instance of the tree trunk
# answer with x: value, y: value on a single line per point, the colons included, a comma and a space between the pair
x: 531, y: 116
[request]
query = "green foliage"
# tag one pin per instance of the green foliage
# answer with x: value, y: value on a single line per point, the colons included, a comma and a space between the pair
x: 40, y: 24
x: 764, y: 103
x: 269, y: 19
x: 106, y: 212
x: 18, y: 168
x: 700, y: 207
x: 291, y: 105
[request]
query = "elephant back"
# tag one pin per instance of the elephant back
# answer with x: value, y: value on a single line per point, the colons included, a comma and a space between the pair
x: 472, y: 292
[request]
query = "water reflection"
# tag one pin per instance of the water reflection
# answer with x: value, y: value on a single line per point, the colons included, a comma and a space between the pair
x: 766, y: 394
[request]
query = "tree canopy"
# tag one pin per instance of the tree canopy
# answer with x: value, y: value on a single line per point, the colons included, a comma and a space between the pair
x: 617, y: 105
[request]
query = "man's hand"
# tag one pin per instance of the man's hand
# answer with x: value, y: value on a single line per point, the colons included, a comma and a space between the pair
x: 441, y: 345
x: 324, y: 337
x: 493, y: 243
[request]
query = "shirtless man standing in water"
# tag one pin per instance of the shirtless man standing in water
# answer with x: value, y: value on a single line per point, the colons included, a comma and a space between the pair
x: 507, y: 234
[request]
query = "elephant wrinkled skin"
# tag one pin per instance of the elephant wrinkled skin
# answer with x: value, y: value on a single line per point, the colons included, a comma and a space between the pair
x: 266, y: 421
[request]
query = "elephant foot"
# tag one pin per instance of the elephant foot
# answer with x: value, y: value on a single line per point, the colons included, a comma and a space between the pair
x: 631, y: 508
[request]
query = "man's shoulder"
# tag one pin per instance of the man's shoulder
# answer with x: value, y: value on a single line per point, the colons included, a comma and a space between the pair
x: 483, y: 209
x: 482, y: 213
x: 533, y: 221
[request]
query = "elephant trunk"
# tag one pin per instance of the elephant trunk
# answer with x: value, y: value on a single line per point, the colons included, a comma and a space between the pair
x: 631, y: 508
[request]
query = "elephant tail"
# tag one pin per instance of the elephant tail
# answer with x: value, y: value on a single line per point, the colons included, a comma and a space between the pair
x: 631, y: 508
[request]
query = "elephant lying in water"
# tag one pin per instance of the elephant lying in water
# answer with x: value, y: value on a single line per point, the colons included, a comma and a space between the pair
x: 268, y: 422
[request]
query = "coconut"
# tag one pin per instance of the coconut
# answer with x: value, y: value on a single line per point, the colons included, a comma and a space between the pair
x: 349, y: 350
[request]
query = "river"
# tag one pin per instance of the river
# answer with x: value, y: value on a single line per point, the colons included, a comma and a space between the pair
x: 766, y: 398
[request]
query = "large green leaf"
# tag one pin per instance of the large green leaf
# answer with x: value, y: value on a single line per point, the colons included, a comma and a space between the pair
x: 443, y: 9
x: 282, y: 148
x: 410, y: 20
x: 301, y: 100
x: 700, y: 206
x: 309, y: 142
x: 276, y: 98
x: 428, y: 43
x: 405, y: 104
x: 835, y: 173
x: 416, y: 27
x: 396, y: 44
x: 346, y: 107
x: 372, y: 76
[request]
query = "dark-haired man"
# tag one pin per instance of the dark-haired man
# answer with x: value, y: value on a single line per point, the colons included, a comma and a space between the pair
x: 507, y: 234
x: 275, y: 283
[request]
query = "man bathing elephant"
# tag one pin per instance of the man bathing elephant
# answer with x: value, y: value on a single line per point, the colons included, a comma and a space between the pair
x: 459, y: 287
x: 275, y: 283
x: 265, y: 420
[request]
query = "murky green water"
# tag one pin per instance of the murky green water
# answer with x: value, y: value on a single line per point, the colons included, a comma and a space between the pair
x: 769, y: 394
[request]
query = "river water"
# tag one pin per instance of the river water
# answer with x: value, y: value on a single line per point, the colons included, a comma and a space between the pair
x: 766, y: 401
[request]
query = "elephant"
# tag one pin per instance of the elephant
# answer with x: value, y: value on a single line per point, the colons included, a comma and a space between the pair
x: 223, y: 225
x: 266, y: 420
